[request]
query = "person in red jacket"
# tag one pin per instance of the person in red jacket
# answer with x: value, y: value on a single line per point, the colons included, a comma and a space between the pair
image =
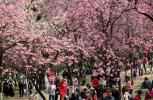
x: 145, y: 60
x: 63, y: 89
x: 138, y: 96
x: 95, y: 83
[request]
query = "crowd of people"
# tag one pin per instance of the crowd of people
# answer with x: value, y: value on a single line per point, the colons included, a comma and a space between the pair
x: 10, y: 85
x: 18, y: 80
x: 140, y: 66
x: 97, y: 90
x: 101, y: 87
x: 104, y: 84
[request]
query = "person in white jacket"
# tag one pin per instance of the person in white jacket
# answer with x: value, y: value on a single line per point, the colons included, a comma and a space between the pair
x: 52, y: 91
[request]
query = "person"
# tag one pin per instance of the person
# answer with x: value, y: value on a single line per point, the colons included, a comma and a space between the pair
x: 75, y: 84
x: 57, y: 82
x: 101, y: 89
x: 135, y: 72
x: 91, y: 92
x: 68, y: 94
x: 30, y: 87
x: 146, y: 83
x: 52, y: 91
x: 145, y: 60
x: 152, y: 83
x: 138, y: 96
x: 21, y: 88
x: 5, y: 88
x: 63, y: 89
x: 84, y: 94
x: 128, y: 84
x: 115, y: 93
x: 11, y: 89
x: 149, y: 94
x: 151, y: 64
x: 112, y: 80
x: 21, y: 84
x: 95, y: 83
x: 103, y: 81
x: 75, y: 95
x: 140, y: 66
x: 89, y: 87
x: 125, y: 94
x: 107, y: 95
x: 92, y: 95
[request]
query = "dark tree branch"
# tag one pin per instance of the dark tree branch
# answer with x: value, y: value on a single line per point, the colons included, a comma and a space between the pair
x: 1, y: 57
x: 14, y: 44
x: 56, y: 55
x: 136, y: 1
x: 143, y: 13
x: 38, y: 90
x: 147, y: 15
x: 117, y: 17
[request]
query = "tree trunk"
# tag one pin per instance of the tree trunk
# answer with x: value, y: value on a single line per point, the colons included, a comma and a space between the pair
x: 1, y: 61
x: 125, y: 72
x: 38, y: 90
x: 90, y: 69
x: 1, y: 58
x: 119, y: 81
x: 120, y: 87
x: 132, y: 75
x: 1, y: 94
x: 69, y: 74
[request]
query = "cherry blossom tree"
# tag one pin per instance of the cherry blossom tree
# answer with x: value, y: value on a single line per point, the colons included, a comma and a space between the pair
x: 116, y: 32
x: 18, y: 35
x: 37, y: 33
x: 98, y: 25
